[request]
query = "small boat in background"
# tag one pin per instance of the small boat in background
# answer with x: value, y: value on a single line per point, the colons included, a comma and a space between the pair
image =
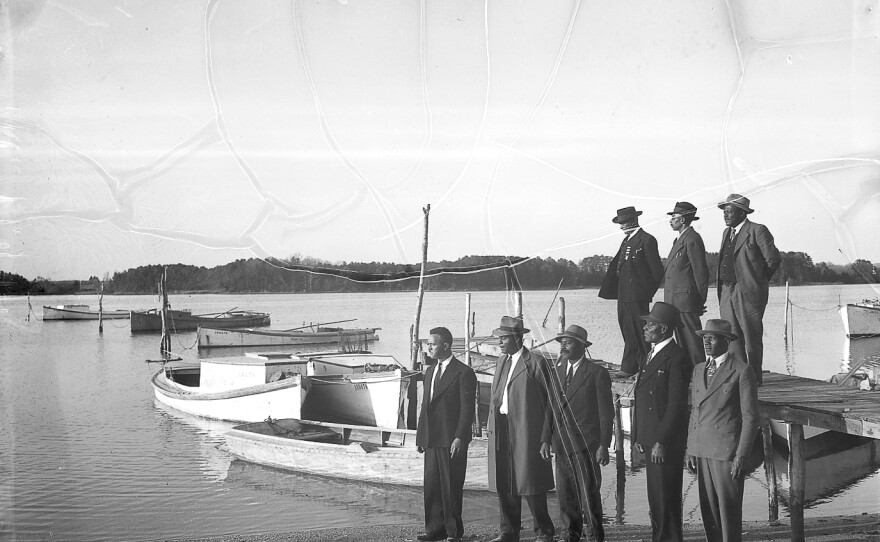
x: 861, y: 319
x: 181, y: 320
x: 213, y: 337
x: 81, y: 312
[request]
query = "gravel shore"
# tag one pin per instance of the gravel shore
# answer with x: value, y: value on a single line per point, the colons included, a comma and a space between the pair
x: 827, y: 529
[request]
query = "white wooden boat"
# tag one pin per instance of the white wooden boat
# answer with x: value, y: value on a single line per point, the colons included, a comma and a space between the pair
x: 371, y: 399
x: 242, y: 388
x: 181, y: 320
x: 861, y: 319
x: 80, y: 312
x: 213, y: 337
x: 367, y: 457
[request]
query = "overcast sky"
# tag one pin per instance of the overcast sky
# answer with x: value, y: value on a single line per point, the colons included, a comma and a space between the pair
x: 141, y: 132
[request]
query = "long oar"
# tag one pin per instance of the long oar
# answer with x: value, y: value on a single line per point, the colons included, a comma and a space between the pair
x: 544, y: 323
x: 321, y: 324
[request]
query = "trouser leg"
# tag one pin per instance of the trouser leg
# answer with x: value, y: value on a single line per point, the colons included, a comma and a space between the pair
x: 433, y: 490
x: 635, y: 349
x: 540, y: 513
x: 510, y: 506
x: 687, y: 338
x: 720, y: 500
x: 664, y: 482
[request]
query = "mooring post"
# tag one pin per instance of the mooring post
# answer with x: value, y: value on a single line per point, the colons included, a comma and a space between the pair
x: 797, y: 475
x: 770, y: 470
x: 101, y: 310
x: 517, y: 305
x: 785, y: 317
x: 561, y: 315
x: 476, y: 427
x: 619, y: 461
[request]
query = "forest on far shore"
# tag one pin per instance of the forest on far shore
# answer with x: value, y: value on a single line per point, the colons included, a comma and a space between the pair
x: 299, y: 274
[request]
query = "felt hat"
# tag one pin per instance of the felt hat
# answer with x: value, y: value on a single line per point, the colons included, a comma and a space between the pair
x: 737, y: 201
x: 575, y: 332
x: 625, y: 215
x: 662, y: 313
x: 718, y: 327
x: 510, y: 326
x: 684, y: 208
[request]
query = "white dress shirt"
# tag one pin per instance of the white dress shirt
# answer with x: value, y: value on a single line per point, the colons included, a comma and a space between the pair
x: 438, y: 372
x: 514, y: 359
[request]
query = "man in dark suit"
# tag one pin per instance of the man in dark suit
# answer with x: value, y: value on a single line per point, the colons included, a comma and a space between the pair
x: 660, y: 423
x: 583, y: 412
x: 723, y: 425
x: 519, y: 433
x: 686, y: 283
x: 632, y: 278
x: 443, y: 435
x: 747, y: 261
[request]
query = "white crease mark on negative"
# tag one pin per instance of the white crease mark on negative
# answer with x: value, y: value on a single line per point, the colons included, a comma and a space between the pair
x: 81, y: 17
x: 327, y: 133
x: 477, y: 139
x: 487, y: 221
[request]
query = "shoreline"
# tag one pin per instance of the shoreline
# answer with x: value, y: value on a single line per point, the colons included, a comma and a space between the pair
x: 831, y: 528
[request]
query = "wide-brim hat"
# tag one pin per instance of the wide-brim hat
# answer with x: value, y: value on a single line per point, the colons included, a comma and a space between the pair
x: 684, y: 208
x: 575, y: 332
x: 625, y: 215
x: 510, y: 325
x: 718, y: 327
x: 737, y: 201
x: 663, y: 313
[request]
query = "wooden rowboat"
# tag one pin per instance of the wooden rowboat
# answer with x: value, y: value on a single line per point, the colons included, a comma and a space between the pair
x: 213, y: 337
x: 80, y: 312
x: 181, y: 320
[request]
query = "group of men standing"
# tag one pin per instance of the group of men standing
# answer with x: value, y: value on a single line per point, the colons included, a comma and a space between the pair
x: 536, y: 410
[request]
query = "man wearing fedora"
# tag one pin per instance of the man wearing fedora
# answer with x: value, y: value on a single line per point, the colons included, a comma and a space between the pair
x: 443, y: 435
x: 686, y: 282
x: 723, y: 425
x: 519, y: 433
x: 632, y: 279
x: 659, y: 427
x: 583, y: 413
x: 747, y: 261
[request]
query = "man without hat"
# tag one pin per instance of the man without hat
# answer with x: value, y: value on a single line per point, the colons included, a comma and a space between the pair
x: 519, y: 433
x: 632, y: 279
x: 723, y: 426
x: 686, y: 283
x: 443, y: 435
x: 747, y: 261
x: 660, y: 422
x: 583, y: 413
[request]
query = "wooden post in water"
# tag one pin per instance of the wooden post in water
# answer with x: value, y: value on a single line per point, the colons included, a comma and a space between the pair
x: 561, y: 315
x: 517, y: 305
x: 415, y: 338
x: 165, y: 342
x: 476, y: 427
x: 785, y: 318
x: 770, y: 470
x: 101, y: 309
x: 797, y: 475
x: 619, y: 461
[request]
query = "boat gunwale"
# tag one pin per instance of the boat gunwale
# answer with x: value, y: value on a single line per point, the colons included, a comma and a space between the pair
x: 180, y: 391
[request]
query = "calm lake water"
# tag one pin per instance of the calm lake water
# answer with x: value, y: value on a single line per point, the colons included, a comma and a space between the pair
x: 87, y: 454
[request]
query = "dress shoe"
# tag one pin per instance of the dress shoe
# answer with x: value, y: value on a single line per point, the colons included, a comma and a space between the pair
x: 428, y: 537
x: 545, y: 538
x: 505, y: 537
x: 453, y: 540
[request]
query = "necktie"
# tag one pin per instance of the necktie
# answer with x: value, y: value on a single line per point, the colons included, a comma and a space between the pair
x: 568, y: 375
x: 711, y: 368
x: 732, y: 234
x: 650, y: 355
x: 438, y: 372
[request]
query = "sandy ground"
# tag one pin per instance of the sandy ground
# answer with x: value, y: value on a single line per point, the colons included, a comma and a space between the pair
x: 837, y: 528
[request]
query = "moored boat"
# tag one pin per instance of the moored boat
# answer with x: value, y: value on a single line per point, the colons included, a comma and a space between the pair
x: 279, y: 444
x: 861, y: 319
x: 242, y: 388
x: 81, y: 312
x: 370, y: 399
x: 213, y: 337
x: 181, y: 320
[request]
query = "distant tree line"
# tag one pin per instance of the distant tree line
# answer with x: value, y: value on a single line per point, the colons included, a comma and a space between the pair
x: 469, y: 274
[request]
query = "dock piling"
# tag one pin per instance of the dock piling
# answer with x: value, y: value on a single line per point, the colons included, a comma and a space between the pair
x: 797, y: 474
x: 619, y: 461
x: 770, y: 470
x: 561, y: 315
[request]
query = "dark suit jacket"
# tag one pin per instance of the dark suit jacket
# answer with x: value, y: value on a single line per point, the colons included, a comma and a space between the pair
x: 449, y: 414
x: 724, y: 416
x: 661, y: 394
x: 583, y: 415
x: 755, y: 261
x: 529, y: 420
x: 686, y: 283
x: 634, y: 278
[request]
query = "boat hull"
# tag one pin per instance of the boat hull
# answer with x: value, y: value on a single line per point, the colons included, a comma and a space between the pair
x: 151, y: 321
x: 211, y: 337
x: 370, y: 399
x: 361, y: 461
x: 80, y: 312
x: 280, y: 399
x: 861, y: 320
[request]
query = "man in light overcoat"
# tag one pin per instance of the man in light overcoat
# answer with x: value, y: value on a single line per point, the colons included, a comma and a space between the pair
x: 519, y: 434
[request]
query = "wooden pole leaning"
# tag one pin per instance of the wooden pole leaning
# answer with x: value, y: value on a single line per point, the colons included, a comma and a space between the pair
x: 770, y: 470
x: 415, y: 347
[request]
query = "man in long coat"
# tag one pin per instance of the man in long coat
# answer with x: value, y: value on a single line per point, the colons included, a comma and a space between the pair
x: 747, y: 261
x: 443, y: 435
x: 632, y: 279
x: 686, y: 282
x: 723, y: 425
x: 660, y: 422
x: 519, y: 434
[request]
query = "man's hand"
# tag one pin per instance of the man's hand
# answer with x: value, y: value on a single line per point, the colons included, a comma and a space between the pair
x: 545, y: 451
x: 692, y: 464
x: 738, y: 469
x: 420, y: 449
x: 657, y: 454
x: 639, y: 448
x: 455, y: 447
x: 602, y: 455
